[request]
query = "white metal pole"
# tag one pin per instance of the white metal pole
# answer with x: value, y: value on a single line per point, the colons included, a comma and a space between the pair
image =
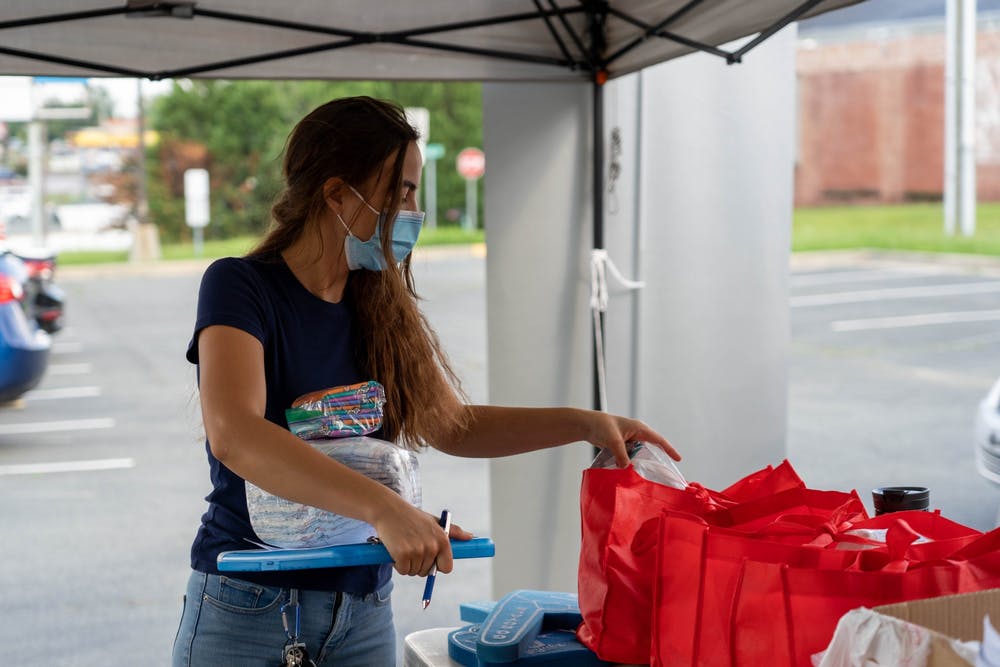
x: 471, y: 223
x: 952, y: 37
x: 431, y: 194
x: 142, y: 201
x: 967, y: 129
x: 36, y: 179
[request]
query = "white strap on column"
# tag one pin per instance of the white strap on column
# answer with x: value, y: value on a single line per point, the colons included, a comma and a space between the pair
x: 600, y: 265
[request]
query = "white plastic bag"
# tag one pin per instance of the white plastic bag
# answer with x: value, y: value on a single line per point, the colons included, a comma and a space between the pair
x: 866, y: 638
x: 289, y: 525
x: 649, y: 461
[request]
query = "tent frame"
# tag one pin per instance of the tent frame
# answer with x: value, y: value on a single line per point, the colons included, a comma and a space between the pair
x: 587, y: 58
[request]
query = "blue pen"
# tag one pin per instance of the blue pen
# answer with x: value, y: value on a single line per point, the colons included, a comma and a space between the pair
x: 444, y: 522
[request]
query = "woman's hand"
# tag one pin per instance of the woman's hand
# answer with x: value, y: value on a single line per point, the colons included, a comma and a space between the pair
x: 415, y: 540
x: 612, y: 432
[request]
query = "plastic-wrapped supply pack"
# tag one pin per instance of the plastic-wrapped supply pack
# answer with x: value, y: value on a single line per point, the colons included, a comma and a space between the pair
x: 290, y: 525
x: 339, y: 412
x: 649, y: 461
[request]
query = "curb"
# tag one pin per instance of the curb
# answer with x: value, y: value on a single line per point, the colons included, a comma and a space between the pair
x: 815, y: 260
x: 187, y: 267
x: 940, y: 262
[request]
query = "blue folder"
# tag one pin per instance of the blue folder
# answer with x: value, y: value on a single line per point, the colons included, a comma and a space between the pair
x: 265, y: 560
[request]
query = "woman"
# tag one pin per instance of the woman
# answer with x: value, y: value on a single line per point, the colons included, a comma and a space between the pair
x: 327, y: 299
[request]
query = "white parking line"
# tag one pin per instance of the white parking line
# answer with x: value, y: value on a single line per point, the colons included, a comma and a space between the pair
x: 55, y: 427
x: 66, y: 348
x: 66, y: 466
x: 927, y: 319
x: 64, y: 392
x: 836, y: 277
x: 894, y: 293
x: 68, y: 369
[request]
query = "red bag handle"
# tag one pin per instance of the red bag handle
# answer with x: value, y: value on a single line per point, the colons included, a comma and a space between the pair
x: 898, y: 539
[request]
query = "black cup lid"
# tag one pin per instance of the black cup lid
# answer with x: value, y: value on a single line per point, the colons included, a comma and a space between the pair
x: 897, y: 498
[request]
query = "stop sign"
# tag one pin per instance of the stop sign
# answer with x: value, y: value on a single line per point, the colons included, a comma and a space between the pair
x: 471, y: 163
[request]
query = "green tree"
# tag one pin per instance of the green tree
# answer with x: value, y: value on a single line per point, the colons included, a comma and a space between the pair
x: 243, y: 125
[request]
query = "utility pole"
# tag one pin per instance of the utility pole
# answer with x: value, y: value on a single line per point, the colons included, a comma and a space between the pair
x: 142, y: 203
x: 960, y: 118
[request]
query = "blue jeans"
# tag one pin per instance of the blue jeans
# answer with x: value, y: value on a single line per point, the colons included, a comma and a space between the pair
x: 228, y: 622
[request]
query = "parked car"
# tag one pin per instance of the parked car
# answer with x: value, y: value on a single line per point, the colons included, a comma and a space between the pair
x: 24, y: 346
x: 988, y: 435
x: 43, y: 299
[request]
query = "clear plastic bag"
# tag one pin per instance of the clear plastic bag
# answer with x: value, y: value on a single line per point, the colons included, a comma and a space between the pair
x: 649, y: 461
x: 337, y: 412
x: 290, y: 525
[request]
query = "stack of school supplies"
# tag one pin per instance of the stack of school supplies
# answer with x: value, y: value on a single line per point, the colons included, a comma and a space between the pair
x: 336, y: 421
x: 283, y: 523
x: 338, y: 412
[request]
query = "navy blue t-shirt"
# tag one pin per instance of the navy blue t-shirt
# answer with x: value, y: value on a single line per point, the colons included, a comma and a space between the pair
x: 308, y: 345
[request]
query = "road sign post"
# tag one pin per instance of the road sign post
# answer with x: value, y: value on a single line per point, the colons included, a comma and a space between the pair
x: 432, y: 154
x: 196, y: 205
x: 471, y: 165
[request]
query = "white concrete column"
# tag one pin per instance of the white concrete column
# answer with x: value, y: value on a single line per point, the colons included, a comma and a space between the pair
x: 714, y: 231
x: 704, y: 205
x: 538, y: 233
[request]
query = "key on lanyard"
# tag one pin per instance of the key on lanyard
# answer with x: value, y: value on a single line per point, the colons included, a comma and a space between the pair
x: 294, y: 653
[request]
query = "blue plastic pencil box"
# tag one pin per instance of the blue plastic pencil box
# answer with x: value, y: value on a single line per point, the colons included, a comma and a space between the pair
x: 344, y: 555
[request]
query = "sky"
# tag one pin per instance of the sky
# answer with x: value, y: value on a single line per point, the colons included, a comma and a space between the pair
x: 124, y: 93
x: 21, y: 94
x: 887, y: 11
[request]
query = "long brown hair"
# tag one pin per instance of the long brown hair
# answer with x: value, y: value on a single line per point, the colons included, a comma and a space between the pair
x: 351, y: 139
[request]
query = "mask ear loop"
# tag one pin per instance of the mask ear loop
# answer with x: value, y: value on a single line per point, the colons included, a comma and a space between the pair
x: 346, y: 228
x: 364, y: 201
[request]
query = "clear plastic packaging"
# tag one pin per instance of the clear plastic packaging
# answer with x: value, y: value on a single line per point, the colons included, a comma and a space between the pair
x: 649, y: 461
x: 337, y: 412
x: 290, y: 525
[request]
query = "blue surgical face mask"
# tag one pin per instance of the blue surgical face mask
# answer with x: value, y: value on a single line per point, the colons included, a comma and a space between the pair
x: 368, y: 254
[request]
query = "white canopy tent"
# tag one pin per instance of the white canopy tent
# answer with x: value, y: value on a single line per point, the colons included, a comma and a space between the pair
x: 481, y: 40
x: 555, y: 41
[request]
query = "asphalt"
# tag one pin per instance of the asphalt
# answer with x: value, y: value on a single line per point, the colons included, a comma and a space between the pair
x: 800, y: 261
x: 98, y: 559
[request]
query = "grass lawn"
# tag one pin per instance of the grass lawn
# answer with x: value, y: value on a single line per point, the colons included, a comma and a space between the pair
x: 449, y: 235
x: 917, y: 227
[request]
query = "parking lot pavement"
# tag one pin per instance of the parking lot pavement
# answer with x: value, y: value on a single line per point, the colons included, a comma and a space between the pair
x: 97, y: 532
x: 890, y: 357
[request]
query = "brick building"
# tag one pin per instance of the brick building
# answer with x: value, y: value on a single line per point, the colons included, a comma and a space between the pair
x: 871, y: 114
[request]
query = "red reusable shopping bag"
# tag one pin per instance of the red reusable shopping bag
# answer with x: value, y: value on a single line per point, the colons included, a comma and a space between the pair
x: 782, y: 614
x: 615, y: 601
x: 692, y: 614
x: 620, y: 527
x: 765, y: 482
x: 699, y: 564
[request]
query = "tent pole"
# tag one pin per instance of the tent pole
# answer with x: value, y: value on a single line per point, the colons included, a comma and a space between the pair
x: 597, y: 99
x: 597, y: 11
x: 597, y: 102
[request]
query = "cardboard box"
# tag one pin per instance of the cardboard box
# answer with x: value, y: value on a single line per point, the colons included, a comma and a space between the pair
x: 957, y: 616
x: 951, y: 617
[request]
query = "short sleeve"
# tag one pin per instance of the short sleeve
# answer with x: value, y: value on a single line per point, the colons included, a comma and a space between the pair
x: 231, y: 294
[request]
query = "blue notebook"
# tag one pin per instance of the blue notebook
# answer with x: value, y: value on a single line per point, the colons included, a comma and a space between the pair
x: 264, y: 560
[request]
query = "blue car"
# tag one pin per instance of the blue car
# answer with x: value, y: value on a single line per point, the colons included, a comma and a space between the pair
x: 24, y: 346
